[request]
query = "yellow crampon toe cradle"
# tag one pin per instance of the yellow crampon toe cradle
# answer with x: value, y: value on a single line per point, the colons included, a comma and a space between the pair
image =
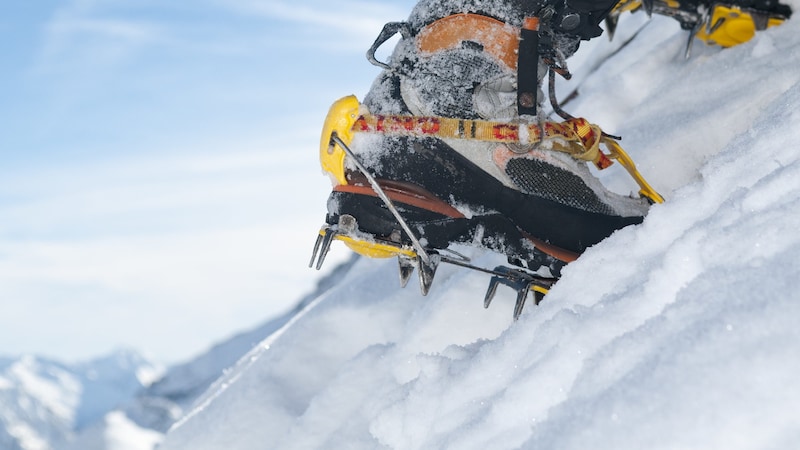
x: 731, y: 25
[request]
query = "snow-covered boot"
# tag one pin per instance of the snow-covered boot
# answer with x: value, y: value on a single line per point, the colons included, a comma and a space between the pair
x: 451, y: 145
x: 725, y: 23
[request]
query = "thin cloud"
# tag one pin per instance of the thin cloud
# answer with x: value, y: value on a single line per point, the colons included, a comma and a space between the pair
x: 207, y: 234
x: 208, y: 192
x: 76, y: 41
x: 347, y: 17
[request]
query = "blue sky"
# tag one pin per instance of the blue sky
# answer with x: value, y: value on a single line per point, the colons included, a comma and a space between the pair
x: 159, y: 186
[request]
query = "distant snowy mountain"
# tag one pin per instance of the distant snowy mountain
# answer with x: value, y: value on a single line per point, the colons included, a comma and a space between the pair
x: 678, y: 333
x: 44, y: 404
x: 120, y: 401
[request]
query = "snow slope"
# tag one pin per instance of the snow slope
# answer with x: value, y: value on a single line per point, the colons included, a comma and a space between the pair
x: 172, y: 396
x: 679, y: 333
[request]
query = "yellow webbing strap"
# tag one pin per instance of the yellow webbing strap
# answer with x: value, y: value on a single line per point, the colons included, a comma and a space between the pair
x: 590, y: 136
x: 576, y: 137
x: 617, y: 153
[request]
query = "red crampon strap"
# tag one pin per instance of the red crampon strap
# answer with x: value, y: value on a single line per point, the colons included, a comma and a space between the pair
x: 577, y: 137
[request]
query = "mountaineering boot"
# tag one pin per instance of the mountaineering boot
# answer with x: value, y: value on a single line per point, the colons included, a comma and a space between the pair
x: 451, y: 144
x: 725, y: 23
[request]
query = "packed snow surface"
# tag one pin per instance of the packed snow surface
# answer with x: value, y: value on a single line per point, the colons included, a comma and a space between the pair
x: 678, y: 333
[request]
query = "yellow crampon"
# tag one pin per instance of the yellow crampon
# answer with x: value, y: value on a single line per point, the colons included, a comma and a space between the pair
x: 370, y: 247
x: 341, y: 117
x: 521, y: 281
x: 732, y: 25
x: 718, y: 23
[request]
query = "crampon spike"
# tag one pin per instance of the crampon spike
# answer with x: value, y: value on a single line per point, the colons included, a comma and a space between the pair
x: 407, y: 266
x: 326, y: 247
x: 522, y: 295
x: 521, y: 282
x: 760, y: 20
x: 538, y: 296
x: 427, y: 270
x: 321, y: 247
x: 491, y: 291
x: 611, y: 26
x: 317, y: 245
x: 648, y: 7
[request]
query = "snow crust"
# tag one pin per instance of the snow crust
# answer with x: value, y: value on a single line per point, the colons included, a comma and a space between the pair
x: 678, y: 333
x: 122, y: 434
